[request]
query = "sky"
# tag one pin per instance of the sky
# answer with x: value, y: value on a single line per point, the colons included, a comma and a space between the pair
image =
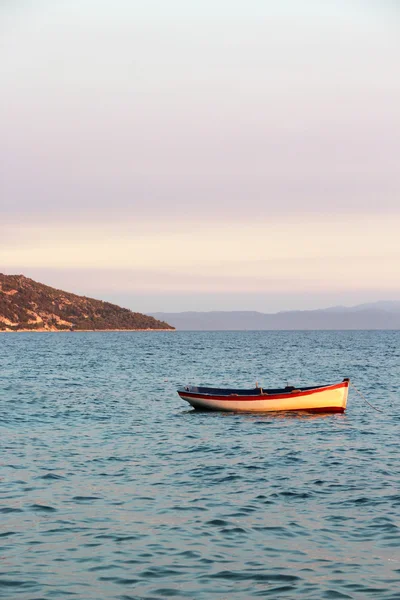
x: 214, y: 155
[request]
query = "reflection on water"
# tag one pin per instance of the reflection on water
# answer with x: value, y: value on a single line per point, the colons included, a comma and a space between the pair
x: 111, y: 487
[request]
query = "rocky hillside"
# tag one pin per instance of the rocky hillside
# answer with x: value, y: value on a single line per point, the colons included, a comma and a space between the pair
x: 28, y: 305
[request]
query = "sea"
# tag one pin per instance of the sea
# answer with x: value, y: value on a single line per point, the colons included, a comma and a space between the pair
x: 112, y: 487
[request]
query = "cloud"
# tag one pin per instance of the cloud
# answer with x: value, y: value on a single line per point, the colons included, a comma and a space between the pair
x: 279, y: 254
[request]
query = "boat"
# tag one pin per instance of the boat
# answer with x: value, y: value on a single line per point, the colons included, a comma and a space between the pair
x: 331, y: 398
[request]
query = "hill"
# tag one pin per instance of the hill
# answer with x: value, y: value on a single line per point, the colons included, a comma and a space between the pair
x: 28, y: 305
x: 379, y: 315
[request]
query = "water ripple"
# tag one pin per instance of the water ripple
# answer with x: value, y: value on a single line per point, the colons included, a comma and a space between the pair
x: 111, y: 488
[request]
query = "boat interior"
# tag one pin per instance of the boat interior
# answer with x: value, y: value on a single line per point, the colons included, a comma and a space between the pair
x: 249, y: 392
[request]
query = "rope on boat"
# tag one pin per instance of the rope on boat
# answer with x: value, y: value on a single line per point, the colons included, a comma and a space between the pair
x: 364, y: 398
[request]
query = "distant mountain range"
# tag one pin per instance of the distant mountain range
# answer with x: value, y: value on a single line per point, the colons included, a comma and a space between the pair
x: 28, y: 305
x: 377, y: 315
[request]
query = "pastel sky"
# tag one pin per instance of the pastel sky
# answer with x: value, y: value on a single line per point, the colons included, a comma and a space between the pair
x: 186, y: 155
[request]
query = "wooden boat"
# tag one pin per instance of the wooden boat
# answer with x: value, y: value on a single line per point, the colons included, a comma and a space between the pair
x: 321, y: 398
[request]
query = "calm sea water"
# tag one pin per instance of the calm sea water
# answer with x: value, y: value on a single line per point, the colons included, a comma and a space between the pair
x: 112, y: 487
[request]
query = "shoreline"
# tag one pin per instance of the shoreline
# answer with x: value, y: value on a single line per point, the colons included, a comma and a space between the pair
x: 75, y: 330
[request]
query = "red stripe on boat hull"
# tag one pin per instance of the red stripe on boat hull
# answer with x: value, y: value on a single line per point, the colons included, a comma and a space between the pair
x: 328, y: 409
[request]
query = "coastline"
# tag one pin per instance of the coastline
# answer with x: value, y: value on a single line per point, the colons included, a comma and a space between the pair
x: 75, y: 330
